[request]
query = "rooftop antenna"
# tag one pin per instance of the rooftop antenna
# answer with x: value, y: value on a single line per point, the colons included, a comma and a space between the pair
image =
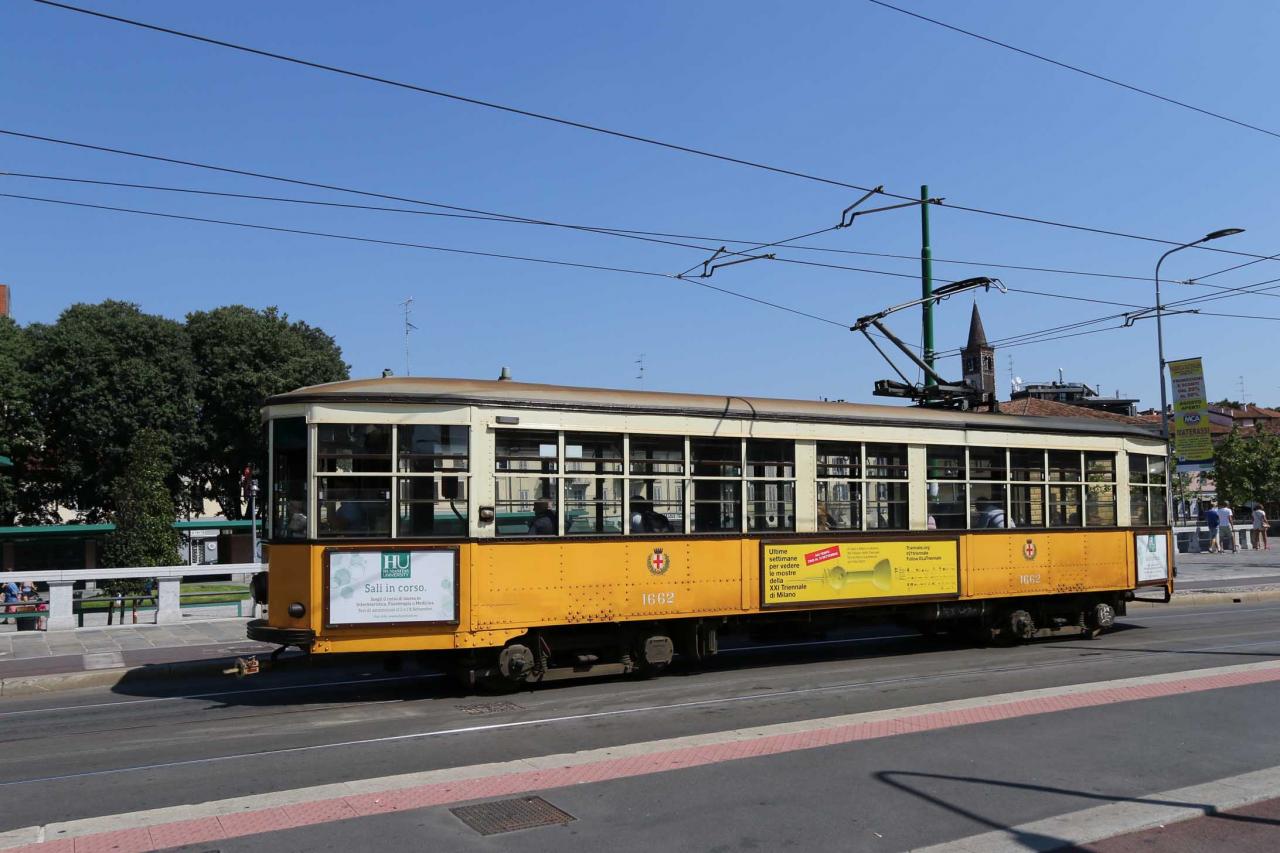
x: 1244, y: 394
x: 640, y: 370
x: 407, y: 307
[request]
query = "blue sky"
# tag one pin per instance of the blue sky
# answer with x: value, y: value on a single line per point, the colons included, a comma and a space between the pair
x: 847, y: 90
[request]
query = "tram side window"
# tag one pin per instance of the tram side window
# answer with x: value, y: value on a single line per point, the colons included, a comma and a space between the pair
x: 1100, y: 489
x: 1026, y: 488
x: 771, y: 487
x: 527, y: 483
x: 592, y: 502
x: 289, y: 478
x: 988, y: 488
x: 353, y: 448
x: 657, y: 468
x: 947, y: 500
x: 1065, y: 475
x: 350, y: 502
x: 432, y: 461
x: 839, y: 486
x: 1147, y: 504
x: 886, y: 487
x: 717, y: 484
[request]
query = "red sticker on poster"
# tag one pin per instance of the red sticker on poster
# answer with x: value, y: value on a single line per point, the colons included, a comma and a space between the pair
x: 832, y: 553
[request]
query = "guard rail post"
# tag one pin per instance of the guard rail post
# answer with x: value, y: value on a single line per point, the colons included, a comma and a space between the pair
x: 61, y: 617
x: 169, y: 607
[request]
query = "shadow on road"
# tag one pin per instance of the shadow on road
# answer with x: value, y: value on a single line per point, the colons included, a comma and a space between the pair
x: 1036, y: 841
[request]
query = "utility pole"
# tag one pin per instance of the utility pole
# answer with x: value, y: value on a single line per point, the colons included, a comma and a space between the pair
x: 926, y: 285
x: 407, y: 306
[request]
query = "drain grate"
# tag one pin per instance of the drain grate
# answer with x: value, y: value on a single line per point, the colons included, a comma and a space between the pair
x: 510, y: 815
x: 481, y: 708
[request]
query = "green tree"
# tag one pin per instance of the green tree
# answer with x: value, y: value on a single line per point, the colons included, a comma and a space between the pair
x: 242, y: 357
x: 22, y: 490
x: 1247, y: 468
x: 144, y: 514
x: 101, y: 374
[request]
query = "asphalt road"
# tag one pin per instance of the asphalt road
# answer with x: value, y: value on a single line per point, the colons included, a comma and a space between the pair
x: 87, y: 754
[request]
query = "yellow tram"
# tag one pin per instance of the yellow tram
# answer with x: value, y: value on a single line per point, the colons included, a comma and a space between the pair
x: 532, y: 531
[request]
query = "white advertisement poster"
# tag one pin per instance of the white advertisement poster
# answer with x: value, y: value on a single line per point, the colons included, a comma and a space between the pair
x: 384, y: 587
x: 1153, y: 556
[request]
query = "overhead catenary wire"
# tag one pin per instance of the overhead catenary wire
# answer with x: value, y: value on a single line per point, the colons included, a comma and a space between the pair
x: 593, y: 128
x: 429, y: 247
x: 657, y: 237
x: 1075, y: 68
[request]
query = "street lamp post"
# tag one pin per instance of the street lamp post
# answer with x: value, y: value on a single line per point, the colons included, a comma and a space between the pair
x: 1164, y: 400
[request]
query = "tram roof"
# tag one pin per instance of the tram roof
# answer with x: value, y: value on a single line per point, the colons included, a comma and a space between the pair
x: 409, y: 390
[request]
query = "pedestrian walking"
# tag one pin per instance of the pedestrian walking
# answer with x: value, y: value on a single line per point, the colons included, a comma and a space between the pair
x: 1226, y: 523
x: 1211, y: 519
x: 1260, y: 525
x: 11, y: 596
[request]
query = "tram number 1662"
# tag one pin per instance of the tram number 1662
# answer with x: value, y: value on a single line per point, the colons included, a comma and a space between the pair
x: 651, y: 599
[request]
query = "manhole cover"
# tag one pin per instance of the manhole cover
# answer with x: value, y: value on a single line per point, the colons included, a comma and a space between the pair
x: 510, y: 815
x: 480, y: 708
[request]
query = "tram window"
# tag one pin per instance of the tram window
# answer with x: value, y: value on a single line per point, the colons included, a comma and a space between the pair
x: 652, y: 454
x: 986, y: 505
x: 353, y: 448
x: 591, y: 453
x: 771, y: 505
x: 1064, y: 505
x: 839, y: 459
x: 657, y: 505
x: 839, y: 505
x: 1026, y: 504
x: 1147, y: 501
x: 424, y: 448
x: 886, y: 462
x: 771, y: 459
x: 886, y: 505
x: 526, y: 506
x: 945, y: 463
x: 1064, y: 466
x: 1100, y: 505
x: 1139, y: 510
x: 1026, y: 465
x: 592, y: 505
x: 986, y: 463
x: 516, y: 450
x: 716, y: 457
x: 947, y: 506
x: 353, y: 506
x: 430, y: 506
x: 289, y: 478
x: 839, y: 487
x: 716, y: 506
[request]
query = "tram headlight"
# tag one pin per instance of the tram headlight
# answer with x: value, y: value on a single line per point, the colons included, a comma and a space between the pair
x: 297, y: 610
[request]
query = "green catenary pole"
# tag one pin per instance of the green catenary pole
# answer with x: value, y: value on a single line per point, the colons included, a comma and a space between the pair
x: 926, y: 282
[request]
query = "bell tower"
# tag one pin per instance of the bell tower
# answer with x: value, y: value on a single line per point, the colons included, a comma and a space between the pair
x: 979, y: 357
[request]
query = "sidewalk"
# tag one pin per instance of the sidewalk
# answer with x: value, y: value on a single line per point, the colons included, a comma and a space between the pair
x: 31, y: 653
x: 1239, y: 572
x: 1251, y: 829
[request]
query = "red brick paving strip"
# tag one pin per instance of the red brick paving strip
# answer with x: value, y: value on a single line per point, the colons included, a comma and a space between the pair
x: 506, y: 784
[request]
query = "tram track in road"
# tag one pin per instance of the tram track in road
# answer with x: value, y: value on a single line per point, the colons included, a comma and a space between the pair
x: 1087, y: 659
x: 268, y: 711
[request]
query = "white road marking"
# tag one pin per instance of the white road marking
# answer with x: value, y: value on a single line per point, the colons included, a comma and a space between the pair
x: 1126, y: 814
x: 322, y: 684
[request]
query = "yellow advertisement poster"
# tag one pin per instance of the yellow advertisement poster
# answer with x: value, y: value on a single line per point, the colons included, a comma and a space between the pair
x: 1192, y: 441
x: 857, y: 571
